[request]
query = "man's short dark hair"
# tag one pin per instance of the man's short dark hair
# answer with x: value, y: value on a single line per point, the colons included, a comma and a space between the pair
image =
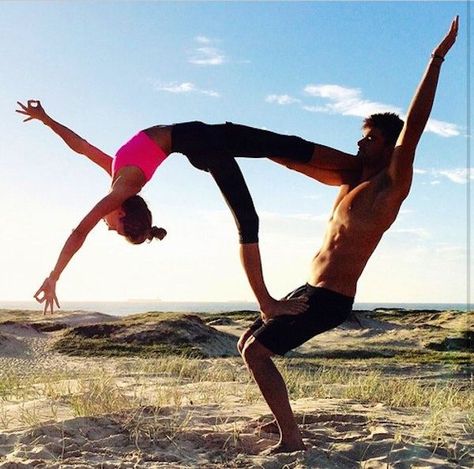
x: 388, y: 123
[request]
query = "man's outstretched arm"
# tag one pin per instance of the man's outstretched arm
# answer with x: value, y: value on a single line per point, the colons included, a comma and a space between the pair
x: 327, y: 165
x: 400, y: 169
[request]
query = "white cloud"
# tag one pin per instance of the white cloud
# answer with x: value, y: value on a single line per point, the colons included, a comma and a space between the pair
x: 316, y: 108
x: 202, y: 40
x: 207, y: 56
x: 457, y: 175
x: 282, y: 99
x: 350, y: 102
x: 333, y: 92
x: 212, y: 93
x: 207, y: 53
x: 444, y: 129
x: 185, y: 88
x: 347, y: 101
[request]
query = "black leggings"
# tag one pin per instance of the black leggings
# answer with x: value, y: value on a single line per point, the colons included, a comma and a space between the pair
x: 213, y: 148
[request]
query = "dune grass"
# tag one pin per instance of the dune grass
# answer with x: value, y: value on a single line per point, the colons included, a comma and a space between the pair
x: 179, y: 382
x: 142, y: 335
x: 155, y: 394
x: 304, y: 380
x: 91, y: 347
x: 155, y: 400
x: 379, y: 355
x: 162, y: 377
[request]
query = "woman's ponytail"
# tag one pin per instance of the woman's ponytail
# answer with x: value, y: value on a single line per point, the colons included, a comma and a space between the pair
x: 156, y: 232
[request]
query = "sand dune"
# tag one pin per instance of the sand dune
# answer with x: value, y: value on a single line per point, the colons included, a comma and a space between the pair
x: 337, y: 434
x: 208, y: 424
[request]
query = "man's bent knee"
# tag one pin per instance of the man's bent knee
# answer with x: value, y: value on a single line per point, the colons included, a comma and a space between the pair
x: 243, y: 340
x: 254, y: 352
x: 241, y: 344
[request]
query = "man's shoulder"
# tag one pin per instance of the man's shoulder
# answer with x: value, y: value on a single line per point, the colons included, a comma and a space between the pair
x: 388, y: 198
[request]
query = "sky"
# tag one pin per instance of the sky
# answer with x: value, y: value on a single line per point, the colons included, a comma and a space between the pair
x: 313, y: 69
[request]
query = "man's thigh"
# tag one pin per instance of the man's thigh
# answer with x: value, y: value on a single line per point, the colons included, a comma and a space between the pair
x: 326, y: 310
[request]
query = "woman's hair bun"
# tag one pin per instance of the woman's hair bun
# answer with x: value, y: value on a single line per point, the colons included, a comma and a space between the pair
x: 156, y: 232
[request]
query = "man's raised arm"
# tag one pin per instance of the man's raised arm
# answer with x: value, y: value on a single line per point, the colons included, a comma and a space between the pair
x: 400, y: 169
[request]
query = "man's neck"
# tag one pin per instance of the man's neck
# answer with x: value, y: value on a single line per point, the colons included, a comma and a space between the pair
x: 368, y: 172
x: 371, y: 170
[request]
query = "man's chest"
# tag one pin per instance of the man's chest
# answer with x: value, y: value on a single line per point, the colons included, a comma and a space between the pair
x: 362, y: 206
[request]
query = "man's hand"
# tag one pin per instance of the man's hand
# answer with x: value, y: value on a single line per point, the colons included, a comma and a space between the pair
x: 33, y: 110
x: 442, y: 49
x: 283, y: 307
x: 49, y: 295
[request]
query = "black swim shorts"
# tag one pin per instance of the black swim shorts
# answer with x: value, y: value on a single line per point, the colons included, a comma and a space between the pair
x: 326, y: 310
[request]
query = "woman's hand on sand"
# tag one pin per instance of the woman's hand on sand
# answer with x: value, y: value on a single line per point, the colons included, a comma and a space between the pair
x: 442, y: 49
x: 49, y: 298
x: 33, y: 110
x: 275, y: 308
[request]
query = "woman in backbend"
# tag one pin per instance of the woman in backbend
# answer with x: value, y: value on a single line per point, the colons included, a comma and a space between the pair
x: 211, y: 148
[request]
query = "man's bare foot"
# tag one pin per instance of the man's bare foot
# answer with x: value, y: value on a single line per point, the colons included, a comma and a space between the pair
x: 272, y: 427
x: 284, y: 448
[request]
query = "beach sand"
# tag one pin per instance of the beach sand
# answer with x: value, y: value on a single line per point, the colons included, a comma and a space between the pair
x: 63, y: 411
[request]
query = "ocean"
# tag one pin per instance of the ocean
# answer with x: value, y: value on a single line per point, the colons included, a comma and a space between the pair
x: 124, y: 308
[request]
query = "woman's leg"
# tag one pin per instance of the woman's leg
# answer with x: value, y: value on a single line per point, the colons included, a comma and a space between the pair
x: 250, y: 142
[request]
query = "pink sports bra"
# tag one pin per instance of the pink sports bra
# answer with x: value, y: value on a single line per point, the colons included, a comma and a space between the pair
x: 140, y: 151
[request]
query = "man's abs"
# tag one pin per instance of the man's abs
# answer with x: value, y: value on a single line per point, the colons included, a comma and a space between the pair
x: 343, y: 257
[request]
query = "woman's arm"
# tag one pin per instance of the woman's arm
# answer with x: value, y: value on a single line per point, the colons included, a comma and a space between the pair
x: 109, y: 203
x: 34, y: 110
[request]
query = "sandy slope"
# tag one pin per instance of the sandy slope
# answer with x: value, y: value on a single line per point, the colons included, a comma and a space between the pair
x: 339, y: 433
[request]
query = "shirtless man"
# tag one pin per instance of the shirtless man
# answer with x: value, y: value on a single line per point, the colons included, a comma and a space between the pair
x: 368, y: 203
